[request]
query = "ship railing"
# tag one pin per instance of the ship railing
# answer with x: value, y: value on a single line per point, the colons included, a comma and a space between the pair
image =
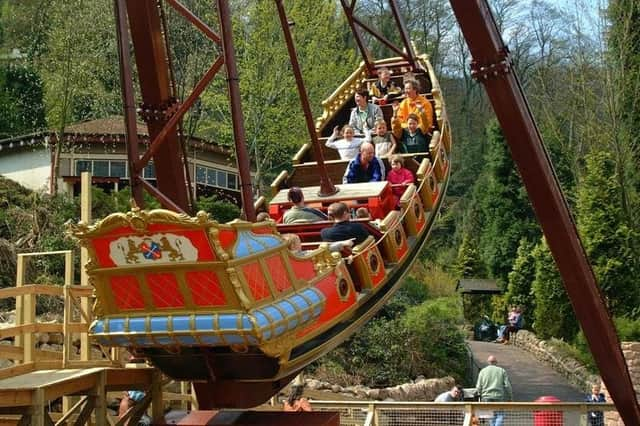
x: 417, y: 200
x: 378, y: 413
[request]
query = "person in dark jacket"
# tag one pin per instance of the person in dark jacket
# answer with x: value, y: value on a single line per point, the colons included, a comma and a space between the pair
x: 365, y: 167
x: 596, y: 418
x: 343, y: 229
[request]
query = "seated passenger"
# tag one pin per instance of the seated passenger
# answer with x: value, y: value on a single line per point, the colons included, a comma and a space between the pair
x: 365, y: 167
x: 294, y: 244
x: 383, y: 140
x: 363, y: 213
x: 298, y: 212
x: 399, y: 177
x: 384, y: 89
x: 415, y: 136
x: 343, y: 229
x: 364, y: 115
x: 263, y: 217
x: 410, y: 104
x: 349, y: 145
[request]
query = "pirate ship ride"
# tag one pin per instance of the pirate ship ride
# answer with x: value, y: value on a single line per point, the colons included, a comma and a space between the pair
x: 229, y: 306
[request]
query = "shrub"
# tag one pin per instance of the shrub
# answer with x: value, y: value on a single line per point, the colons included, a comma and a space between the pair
x: 221, y: 211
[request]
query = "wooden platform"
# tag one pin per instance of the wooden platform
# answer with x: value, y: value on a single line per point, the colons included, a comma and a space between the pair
x: 28, y: 395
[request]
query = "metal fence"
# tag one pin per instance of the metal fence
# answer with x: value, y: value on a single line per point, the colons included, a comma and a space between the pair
x: 462, y: 413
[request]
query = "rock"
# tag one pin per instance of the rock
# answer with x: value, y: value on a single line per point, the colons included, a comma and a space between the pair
x: 336, y: 388
x: 373, y: 394
x: 314, y: 384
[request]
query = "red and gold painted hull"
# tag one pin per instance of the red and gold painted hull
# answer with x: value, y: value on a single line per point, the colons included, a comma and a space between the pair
x: 230, y: 304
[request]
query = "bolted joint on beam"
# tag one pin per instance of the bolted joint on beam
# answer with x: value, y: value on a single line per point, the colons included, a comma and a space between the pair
x: 501, y: 67
x: 159, y: 113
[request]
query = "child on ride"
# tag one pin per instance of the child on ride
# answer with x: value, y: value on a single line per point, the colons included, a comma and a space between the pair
x: 384, y: 89
x: 399, y: 177
x: 383, y: 140
x: 349, y: 146
x: 415, y: 136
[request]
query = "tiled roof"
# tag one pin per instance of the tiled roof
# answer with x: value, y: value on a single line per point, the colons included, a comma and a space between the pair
x: 113, y: 125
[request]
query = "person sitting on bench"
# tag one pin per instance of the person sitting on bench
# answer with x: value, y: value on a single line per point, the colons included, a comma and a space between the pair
x: 299, y: 212
x: 365, y: 167
x: 343, y: 229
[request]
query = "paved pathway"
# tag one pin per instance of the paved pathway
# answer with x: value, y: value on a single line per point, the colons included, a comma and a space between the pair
x: 529, y: 377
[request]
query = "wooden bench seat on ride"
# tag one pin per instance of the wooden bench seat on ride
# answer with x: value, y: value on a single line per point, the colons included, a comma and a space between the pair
x: 306, y: 174
x: 375, y: 196
x: 310, y: 232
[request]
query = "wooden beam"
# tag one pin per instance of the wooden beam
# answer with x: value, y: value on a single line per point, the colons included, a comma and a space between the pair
x: 15, y: 353
x: 71, y: 411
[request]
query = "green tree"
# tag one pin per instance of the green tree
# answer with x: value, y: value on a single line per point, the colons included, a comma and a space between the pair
x: 553, y: 314
x: 611, y: 244
x: 21, y: 105
x: 505, y: 210
x: 274, y: 123
x: 623, y: 83
x: 469, y: 265
x: 520, y: 278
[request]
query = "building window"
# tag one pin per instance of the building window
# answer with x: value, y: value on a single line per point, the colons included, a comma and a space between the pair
x: 201, y: 174
x: 222, y: 179
x: 101, y: 168
x: 213, y: 177
x: 82, y: 166
x: 118, y: 169
x: 231, y: 181
x: 149, y: 171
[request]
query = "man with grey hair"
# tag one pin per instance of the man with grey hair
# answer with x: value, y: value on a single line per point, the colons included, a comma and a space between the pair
x: 493, y: 385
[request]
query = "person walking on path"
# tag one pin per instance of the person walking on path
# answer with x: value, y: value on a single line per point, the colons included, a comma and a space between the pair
x: 493, y: 385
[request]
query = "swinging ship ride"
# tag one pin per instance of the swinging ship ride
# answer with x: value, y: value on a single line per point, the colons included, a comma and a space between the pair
x: 229, y: 306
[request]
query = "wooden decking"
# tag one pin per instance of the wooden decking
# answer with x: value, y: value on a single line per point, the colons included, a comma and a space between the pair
x: 27, y: 396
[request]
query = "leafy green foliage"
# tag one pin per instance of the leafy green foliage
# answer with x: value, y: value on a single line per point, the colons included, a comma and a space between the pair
x: 424, y: 340
x: 611, y: 244
x: 520, y: 278
x: 506, y: 214
x: 553, y: 314
x: 21, y: 105
x: 222, y: 211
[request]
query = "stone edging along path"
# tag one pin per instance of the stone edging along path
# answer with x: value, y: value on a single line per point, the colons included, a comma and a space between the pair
x: 574, y: 371
x: 427, y: 389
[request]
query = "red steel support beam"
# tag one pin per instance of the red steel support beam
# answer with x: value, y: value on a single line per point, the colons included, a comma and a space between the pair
x: 404, y: 35
x: 126, y: 84
x: 160, y: 139
x: 366, y: 53
x: 236, y: 111
x: 197, y: 22
x: 155, y: 85
x: 326, y: 186
x: 491, y: 66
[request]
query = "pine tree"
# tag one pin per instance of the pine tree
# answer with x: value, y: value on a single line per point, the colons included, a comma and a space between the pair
x: 520, y: 278
x: 611, y: 244
x: 469, y: 265
x: 553, y: 314
x: 506, y: 212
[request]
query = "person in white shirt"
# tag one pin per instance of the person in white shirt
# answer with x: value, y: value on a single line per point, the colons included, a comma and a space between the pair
x: 349, y: 146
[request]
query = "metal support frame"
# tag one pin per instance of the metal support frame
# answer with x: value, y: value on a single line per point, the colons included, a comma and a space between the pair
x: 327, y: 188
x: 406, y: 50
x: 491, y: 66
x: 162, y: 112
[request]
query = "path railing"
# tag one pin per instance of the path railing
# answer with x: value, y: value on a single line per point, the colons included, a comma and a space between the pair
x: 461, y: 413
